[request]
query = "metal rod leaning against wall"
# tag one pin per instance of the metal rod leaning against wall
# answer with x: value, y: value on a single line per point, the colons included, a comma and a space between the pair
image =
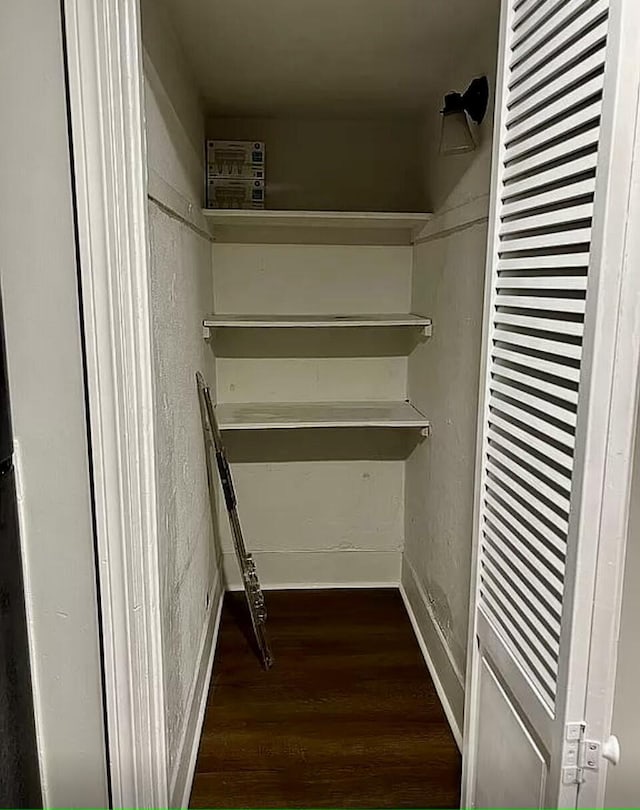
x: 253, y: 592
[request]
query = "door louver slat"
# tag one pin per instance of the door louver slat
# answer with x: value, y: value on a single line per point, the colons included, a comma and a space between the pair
x: 519, y: 629
x: 556, y: 502
x: 522, y: 8
x: 548, y: 28
x: 542, y: 159
x: 551, y: 480
x: 560, y: 443
x: 555, y: 176
x: 540, y: 267
x: 556, y: 239
x: 565, y: 306
x: 548, y: 114
x: 546, y: 345
x: 551, y: 389
x: 565, y: 39
x: 527, y: 546
x: 499, y: 551
x: 540, y: 516
x: 582, y: 118
x: 533, y: 18
x: 546, y: 602
x: 560, y: 217
x: 522, y: 321
x: 525, y: 103
x: 557, y: 412
x: 554, y: 284
x: 551, y: 366
x: 524, y: 434
x: 575, y: 261
x: 550, y: 69
x: 519, y: 598
x: 520, y: 647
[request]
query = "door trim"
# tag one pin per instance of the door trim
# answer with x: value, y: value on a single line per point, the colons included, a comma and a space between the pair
x: 471, y: 686
x: 109, y: 155
x: 612, y: 349
x: 615, y: 347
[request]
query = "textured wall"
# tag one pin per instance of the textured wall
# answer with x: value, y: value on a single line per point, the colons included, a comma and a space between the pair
x: 443, y: 383
x: 448, y: 285
x: 181, y: 294
x: 304, y: 364
x: 302, y: 518
x: 326, y: 506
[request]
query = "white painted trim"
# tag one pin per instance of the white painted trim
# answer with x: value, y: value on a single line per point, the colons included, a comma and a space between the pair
x: 182, y: 778
x: 408, y: 222
x: 454, y: 725
x: 106, y: 101
x: 450, y: 220
x: 614, y: 378
x: 29, y: 603
x: 471, y: 692
x: 282, y: 570
x: 447, y: 678
x: 303, y: 415
x: 175, y: 205
x: 385, y: 320
x: 411, y: 572
x: 320, y: 586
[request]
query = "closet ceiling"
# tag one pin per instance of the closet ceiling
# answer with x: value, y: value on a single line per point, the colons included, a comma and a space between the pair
x: 331, y: 58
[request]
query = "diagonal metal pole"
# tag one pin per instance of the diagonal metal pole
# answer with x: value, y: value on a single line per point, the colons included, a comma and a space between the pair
x: 253, y: 592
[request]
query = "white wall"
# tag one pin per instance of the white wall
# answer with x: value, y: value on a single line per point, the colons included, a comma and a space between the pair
x: 623, y: 781
x: 181, y: 294
x: 443, y: 383
x: 292, y: 505
x: 329, y: 508
x: 448, y: 279
x: 39, y: 285
x: 337, y: 165
x: 311, y: 365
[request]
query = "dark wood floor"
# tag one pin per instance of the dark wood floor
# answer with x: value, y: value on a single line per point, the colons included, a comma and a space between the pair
x: 348, y: 716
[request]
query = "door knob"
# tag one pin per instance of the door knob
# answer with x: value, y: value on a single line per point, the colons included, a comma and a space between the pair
x: 611, y: 750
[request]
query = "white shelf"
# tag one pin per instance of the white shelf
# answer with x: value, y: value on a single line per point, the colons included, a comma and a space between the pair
x: 412, y: 221
x: 290, y: 415
x: 315, y: 321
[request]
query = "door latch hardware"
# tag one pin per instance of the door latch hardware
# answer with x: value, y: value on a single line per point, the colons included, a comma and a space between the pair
x: 579, y: 754
x: 590, y: 755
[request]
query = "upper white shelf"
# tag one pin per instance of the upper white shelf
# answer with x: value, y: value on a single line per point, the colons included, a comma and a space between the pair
x: 288, y: 415
x: 316, y: 321
x: 324, y: 219
x: 411, y: 222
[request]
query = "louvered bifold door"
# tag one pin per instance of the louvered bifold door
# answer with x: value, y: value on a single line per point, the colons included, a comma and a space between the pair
x: 542, y: 273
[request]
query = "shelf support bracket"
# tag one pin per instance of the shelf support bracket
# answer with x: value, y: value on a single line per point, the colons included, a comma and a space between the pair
x: 206, y: 332
x: 425, y: 432
x: 428, y: 330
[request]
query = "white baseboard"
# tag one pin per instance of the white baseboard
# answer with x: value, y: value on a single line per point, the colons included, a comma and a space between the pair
x: 182, y: 777
x: 446, y: 676
x: 319, y: 569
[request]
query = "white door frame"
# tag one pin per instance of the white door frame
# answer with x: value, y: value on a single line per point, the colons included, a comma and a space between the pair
x: 108, y: 141
x: 616, y: 347
x: 606, y: 452
x: 106, y: 100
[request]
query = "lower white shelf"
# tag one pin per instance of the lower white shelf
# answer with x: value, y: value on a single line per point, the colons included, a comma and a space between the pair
x: 288, y: 415
x: 314, y: 321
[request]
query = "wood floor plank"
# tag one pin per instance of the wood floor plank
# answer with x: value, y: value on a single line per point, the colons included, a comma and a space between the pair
x: 348, y: 716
